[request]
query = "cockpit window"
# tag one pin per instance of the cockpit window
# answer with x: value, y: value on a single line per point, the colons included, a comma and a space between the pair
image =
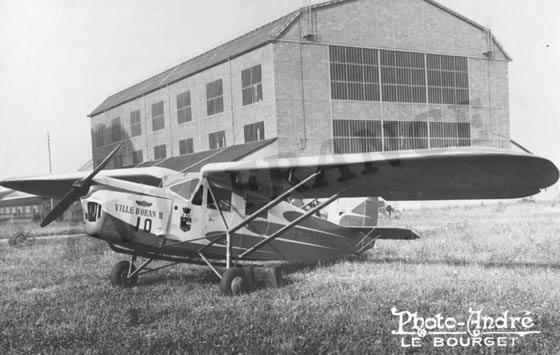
x: 185, y: 189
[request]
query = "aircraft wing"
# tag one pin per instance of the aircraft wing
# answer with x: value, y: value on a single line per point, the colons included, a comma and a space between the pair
x: 57, y: 185
x: 443, y: 174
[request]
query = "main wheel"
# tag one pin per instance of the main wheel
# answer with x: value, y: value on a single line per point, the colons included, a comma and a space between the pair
x: 234, y: 282
x: 119, y: 275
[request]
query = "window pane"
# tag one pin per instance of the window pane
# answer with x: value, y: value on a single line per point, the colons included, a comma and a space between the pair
x: 184, y: 115
x: 462, y: 97
x: 371, y: 92
x: 256, y: 74
x: 418, y: 77
x: 183, y: 100
x: 434, y: 95
x: 354, y: 55
x: 434, y: 78
x: 447, y: 62
x: 355, y: 73
x: 434, y: 61
x: 338, y: 72
x: 462, y: 80
x: 369, y: 56
x: 157, y: 109
x: 339, y: 90
x: 245, y: 78
x: 254, y: 132
x: 389, y: 93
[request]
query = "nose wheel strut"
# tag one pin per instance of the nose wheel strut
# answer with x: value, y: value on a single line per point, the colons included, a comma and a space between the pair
x: 125, y: 273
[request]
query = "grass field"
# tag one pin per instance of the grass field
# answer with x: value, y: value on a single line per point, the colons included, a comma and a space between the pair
x: 56, y: 296
x: 56, y: 228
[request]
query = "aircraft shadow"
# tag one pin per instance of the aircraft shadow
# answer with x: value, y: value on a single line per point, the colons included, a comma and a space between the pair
x: 461, y: 262
x: 204, y: 277
x: 207, y: 277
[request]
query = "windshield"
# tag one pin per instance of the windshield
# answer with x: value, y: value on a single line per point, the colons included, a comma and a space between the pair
x: 185, y: 188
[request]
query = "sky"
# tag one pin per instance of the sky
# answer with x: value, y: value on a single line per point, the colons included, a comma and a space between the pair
x: 59, y: 59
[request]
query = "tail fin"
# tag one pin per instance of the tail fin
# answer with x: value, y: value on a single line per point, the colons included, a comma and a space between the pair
x: 363, y: 214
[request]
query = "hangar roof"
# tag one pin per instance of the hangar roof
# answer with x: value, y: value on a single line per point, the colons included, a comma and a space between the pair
x: 234, y: 48
x: 193, y: 162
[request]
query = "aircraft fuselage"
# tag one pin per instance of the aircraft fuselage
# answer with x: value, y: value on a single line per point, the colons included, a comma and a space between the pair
x: 182, y: 218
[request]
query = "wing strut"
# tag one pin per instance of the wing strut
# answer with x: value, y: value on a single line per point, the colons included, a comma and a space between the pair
x: 288, y: 226
x: 252, y: 217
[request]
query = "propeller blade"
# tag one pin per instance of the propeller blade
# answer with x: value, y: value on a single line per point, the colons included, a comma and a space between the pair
x: 60, y: 207
x: 101, y: 166
x: 79, y: 188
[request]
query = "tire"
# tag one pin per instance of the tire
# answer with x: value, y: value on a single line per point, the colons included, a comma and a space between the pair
x: 234, y: 282
x: 119, y: 273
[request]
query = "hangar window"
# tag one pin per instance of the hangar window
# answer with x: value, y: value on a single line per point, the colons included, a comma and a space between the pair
x: 135, y: 124
x: 116, y: 129
x: 360, y: 136
x: 254, y: 132
x: 158, y: 121
x: 214, y: 97
x: 217, y: 139
x: 251, y: 83
x: 186, y: 146
x: 354, y: 73
x: 137, y: 157
x: 160, y: 152
x: 357, y: 136
x: 404, y: 135
x: 450, y: 134
x: 403, y: 77
x: 99, y: 135
x: 448, y: 80
x: 184, y: 113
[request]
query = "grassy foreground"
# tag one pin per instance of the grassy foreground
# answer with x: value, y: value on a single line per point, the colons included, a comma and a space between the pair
x: 56, y: 297
x: 55, y: 228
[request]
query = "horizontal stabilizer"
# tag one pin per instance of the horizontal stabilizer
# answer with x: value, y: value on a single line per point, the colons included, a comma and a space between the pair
x: 392, y: 233
x: 371, y: 235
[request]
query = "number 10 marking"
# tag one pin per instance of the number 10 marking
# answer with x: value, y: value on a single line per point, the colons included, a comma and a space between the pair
x: 147, y: 225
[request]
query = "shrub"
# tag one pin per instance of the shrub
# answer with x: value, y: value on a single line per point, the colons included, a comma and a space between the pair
x: 20, y: 237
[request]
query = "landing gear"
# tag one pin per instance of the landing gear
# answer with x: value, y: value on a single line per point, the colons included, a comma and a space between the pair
x: 234, y: 282
x: 120, y: 275
x: 125, y: 274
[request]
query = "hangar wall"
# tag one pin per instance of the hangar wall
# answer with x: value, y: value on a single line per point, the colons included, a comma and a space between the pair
x: 232, y: 120
x: 409, y: 26
x: 299, y: 105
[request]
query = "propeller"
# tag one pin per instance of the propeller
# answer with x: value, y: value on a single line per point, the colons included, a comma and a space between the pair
x: 79, y: 188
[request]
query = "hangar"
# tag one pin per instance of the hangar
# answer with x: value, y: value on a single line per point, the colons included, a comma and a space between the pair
x: 344, y: 76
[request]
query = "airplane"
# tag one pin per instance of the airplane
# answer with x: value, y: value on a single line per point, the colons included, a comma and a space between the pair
x: 232, y: 214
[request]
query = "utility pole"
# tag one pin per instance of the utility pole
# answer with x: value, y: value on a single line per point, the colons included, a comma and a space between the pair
x: 49, y: 147
x: 50, y: 162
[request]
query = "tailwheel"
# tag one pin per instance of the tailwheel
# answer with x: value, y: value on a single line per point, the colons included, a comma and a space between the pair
x: 234, y: 282
x: 120, y: 272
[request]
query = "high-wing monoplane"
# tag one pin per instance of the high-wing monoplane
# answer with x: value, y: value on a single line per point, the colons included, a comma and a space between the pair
x: 234, y: 212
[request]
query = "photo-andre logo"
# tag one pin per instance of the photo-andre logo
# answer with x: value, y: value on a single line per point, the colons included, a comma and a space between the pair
x: 473, y: 329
